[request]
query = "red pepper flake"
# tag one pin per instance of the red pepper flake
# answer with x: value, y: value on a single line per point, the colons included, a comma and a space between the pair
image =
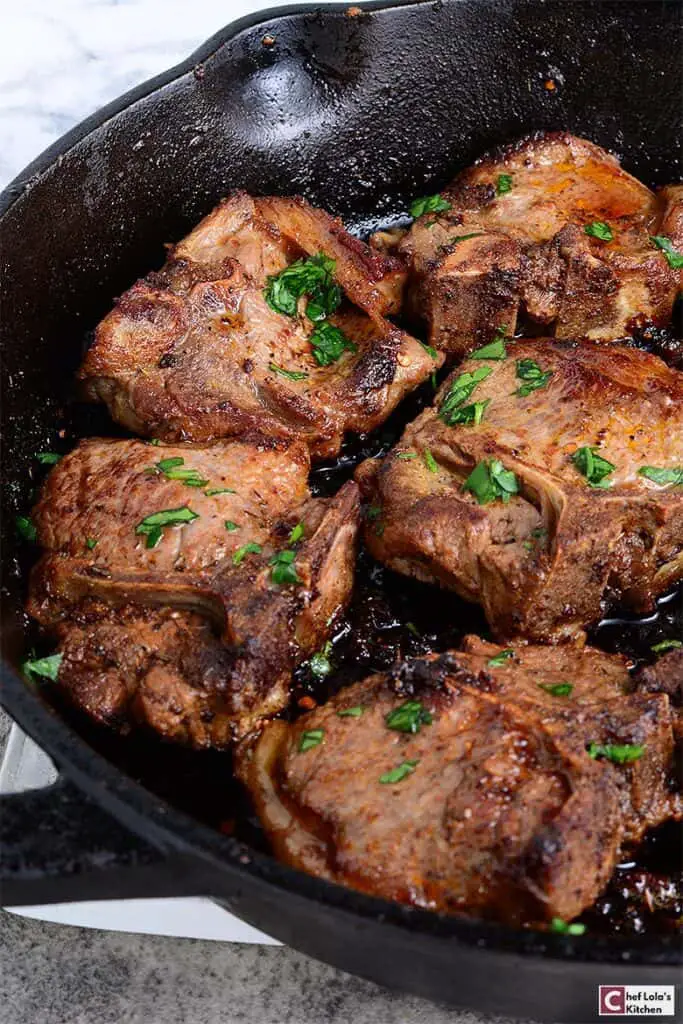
x: 307, y: 703
x: 550, y: 85
x: 268, y: 41
x: 354, y: 12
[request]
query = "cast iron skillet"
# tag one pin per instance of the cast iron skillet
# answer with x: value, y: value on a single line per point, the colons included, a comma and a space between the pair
x: 359, y: 112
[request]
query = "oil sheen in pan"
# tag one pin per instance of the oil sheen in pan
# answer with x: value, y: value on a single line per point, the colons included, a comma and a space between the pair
x: 392, y: 617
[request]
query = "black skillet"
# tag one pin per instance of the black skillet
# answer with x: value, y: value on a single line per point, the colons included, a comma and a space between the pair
x: 359, y: 111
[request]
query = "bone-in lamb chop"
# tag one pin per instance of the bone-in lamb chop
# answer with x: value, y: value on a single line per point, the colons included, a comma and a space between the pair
x: 268, y: 316
x: 185, y: 582
x: 545, y: 484
x: 497, y: 782
x: 553, y: 228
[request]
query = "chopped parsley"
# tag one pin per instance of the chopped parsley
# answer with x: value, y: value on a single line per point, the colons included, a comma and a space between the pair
x: 401, y: 772
x: 557, y: 689
x: 495, y: 349
x: 663, y: 477
x: 673, y: 258
x: 171, y: 469
x: 25, y: 528
x: 430, y: 350
x: 504, y: 184
x: 428, y: 204
x: 567, y: 927
x: 329, y: 343
x: 230, y: 526
x: 499, y: 659
x: 461, y: 238
x: 593, y: 466
x: 666, y: 645
x: 311, y: 277
x: 458, y: 393
x: 289, y: 374
x: 599, y: 229
x: 90, y: 543
x: 210, y: 492
x: 247, y: 549
x: 491, y: 481
x: 351, y: 712
x: 618, y: 753
x: 152, y: 526
x: 472, y: 413
x: 533, y: 376
x: 406, y: 455
x: 310, y: 738
x: 320, y: 664
x: 296, y: 534
x: 48, y: 458
x: 283, y: 569
x: 409, y: 717
x: 430, y: 461
x: 46, y: 668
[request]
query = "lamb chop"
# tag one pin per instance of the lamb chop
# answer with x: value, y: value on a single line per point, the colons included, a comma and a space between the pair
x: 478, y: 781
x: 551, y: 227
x: 182, y: 540
x: 544, y: 484
x: 268, y: 316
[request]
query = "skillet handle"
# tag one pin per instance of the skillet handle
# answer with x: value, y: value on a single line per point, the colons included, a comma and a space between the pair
x: 57, y: 845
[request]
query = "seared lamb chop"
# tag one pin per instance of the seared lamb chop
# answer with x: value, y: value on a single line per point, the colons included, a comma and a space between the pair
x: 222, y: 341
x: 551, y: 225
x: 477, y: 781
x: 225, y: 532
x: 545, y: 483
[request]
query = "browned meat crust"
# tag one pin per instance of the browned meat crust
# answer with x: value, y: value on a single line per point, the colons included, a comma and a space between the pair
x: 162, y: 666
x: 529, y: 249
x: 195, y: 352
x: 543, y: 564
x: 501, y: 812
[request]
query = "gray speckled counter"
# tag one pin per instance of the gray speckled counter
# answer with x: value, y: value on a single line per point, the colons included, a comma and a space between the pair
x: 56, y: 974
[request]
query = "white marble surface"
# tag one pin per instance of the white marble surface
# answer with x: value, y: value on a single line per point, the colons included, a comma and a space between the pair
x: 62, y: 59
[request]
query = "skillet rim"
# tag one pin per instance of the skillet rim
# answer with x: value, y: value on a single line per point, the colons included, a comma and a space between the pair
x: 163, y: 825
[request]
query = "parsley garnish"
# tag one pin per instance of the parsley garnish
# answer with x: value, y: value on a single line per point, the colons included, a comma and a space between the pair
x: 211, y: 491
x: 532, y: 375
x: 351, y: 712
x: 495, y: 349
x: 599, y: 229
x: 152, y: 526
x: 48, y: 458
x: 329, y: 343
x: 90, y: 543
x: 666, y: 645
x: 557, y: 689
x: 504, y: 184
x: 170, y: 468
x: 296, y: 534
x: 312, y: 277
x: 663, y: 477
x: 283, y: 569
x: 230, y: 526
x: 430, y: 461
x: 409, y: 717
x: 398, y: 774
x: 289, y: 374
x: 428, y: 204
x: 247, y: 549
x: 310, y: 738
x: 320, y: 664
x: 593, y: 466
x: 501, y: 658
x: 458, y: 393
x: 25, y: 528
x: 461, y: 238
x: 566, y: 927
x: 673, y: 258
x: 46, y: 668
x: 406, y: 455
x: 618, y: 753
x: 473, y: 413
x: 490, y: 481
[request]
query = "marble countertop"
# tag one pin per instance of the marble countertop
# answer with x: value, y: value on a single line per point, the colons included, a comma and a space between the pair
x: 58, y: 63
